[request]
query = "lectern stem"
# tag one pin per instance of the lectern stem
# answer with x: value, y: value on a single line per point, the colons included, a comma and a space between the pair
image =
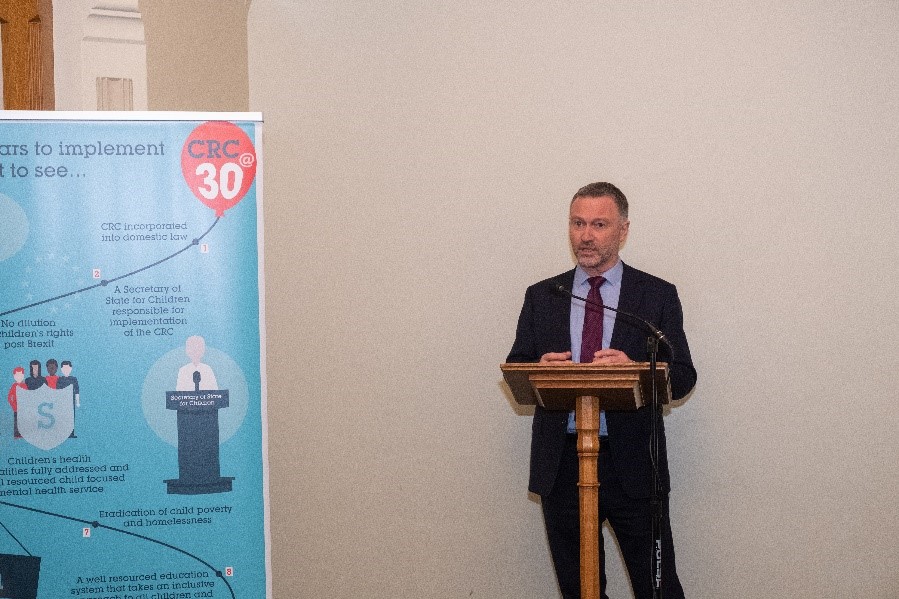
x: 587, y: 424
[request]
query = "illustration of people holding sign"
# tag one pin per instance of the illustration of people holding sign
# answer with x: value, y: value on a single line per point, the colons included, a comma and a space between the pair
x: 44, y: 414
x: 43, y: 403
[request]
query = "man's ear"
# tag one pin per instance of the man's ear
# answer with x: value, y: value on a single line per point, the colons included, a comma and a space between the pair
x: 625, y: 229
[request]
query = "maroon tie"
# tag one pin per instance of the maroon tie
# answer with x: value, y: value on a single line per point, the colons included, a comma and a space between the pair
x: 591, y: 340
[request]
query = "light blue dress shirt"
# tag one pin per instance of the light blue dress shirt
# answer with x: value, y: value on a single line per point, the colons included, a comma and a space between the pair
x: 610, y: 291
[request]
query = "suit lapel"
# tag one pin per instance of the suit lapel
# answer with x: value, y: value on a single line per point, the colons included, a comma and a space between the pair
x: 561, y: 306
x: 628, y: 301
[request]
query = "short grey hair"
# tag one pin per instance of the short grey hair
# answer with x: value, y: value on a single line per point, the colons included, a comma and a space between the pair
x: 601, y: 190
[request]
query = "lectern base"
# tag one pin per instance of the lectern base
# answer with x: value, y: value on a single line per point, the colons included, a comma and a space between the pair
x: 177, y: 486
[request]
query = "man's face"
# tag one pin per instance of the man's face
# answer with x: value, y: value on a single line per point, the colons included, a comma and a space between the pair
x: 51, y: 368
x: 19, y: 376
x: 66, y: 369
x: 596, y: 231
x: 195, y: 348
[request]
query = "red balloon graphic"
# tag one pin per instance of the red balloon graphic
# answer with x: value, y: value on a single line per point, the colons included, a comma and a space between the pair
x: 219, y: 164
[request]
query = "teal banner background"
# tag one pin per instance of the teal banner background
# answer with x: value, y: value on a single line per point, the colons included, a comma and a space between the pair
x: 100, y: 268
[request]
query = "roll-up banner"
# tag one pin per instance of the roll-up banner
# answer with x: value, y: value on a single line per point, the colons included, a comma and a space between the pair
x: 133, y: 442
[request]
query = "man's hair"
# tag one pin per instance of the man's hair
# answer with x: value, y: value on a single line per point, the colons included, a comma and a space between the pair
x: 66, y: 363
x: 601, y: 190
x: 18, y: 369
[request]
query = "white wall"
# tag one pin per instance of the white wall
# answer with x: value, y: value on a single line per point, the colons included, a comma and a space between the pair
x: 419, y: 161
x: 93, y: 39
x: 68, y: 32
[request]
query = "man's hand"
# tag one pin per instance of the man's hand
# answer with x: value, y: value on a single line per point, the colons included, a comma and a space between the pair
x: 610, y: 356
x: 603, y: 356
x: 556, y: 358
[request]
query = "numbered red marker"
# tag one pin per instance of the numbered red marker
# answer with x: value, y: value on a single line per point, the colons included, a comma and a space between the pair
x: 219, y: 164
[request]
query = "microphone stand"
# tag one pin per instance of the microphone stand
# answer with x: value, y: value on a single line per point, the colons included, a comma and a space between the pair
x: 655, y: 501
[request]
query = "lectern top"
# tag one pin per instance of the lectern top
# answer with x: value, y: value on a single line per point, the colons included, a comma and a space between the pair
x: 557, y: 386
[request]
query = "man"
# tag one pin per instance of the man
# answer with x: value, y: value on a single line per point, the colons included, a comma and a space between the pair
x: 51, y: 378
x: 195, y: 374
x: 67, y: 380
x: 551, y: 329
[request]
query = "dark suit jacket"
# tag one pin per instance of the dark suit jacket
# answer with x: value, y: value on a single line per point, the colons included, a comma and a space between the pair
x: 543, y: 327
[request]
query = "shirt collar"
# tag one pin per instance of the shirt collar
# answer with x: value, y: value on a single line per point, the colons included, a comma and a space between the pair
x: 612, y: 276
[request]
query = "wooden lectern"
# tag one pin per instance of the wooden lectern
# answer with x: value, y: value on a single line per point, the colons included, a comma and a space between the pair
x: 587, y: 388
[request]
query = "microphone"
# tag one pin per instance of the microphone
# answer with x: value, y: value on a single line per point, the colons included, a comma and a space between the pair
x: 659, y: 335
x: 196, y: 380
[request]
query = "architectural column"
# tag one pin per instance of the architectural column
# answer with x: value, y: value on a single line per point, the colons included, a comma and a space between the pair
x: 26, y: 29
x: 114, y: 57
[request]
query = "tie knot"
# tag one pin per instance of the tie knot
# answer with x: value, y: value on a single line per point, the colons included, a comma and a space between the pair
x: 596, y: 282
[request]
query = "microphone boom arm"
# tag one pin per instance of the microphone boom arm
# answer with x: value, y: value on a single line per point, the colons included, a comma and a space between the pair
x: 654, y: 330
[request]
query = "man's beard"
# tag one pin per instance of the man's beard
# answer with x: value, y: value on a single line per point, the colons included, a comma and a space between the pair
x: 595, y: 257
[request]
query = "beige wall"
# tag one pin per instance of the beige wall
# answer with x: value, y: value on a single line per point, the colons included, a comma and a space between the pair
x: 196, y: 54
x: 419, y: 159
